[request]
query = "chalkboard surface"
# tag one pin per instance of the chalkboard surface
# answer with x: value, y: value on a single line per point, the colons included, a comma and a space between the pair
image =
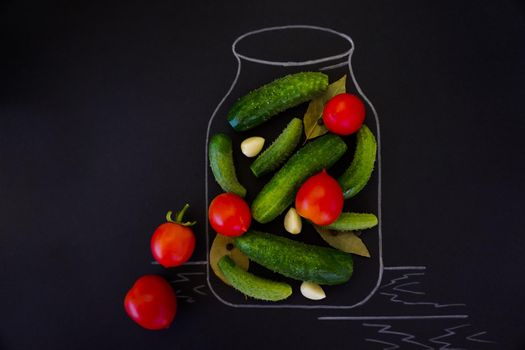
x: 104, y: 113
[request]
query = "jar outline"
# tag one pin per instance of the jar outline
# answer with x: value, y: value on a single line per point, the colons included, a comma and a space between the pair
x: 348, y: 63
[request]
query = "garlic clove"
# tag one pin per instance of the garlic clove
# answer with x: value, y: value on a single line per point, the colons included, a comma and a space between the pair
x: 292, y: 222
x: 252, y: 146
x: 312, y: 291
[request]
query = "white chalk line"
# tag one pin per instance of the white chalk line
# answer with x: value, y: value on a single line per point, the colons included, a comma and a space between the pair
x: 395, y: 299
x: 387, y: 317
x: 182, y: 276
x: 202, y: 262
x: 198, y: 289
x: 334, y: 66
x: 392, y: 345
x: 404, y: 277
x: 474, y: 339
x: 292, y: 63
x: 404, y: 268
x: 186, y: 298
x: 449, y: 331
x: 400, y: 289
x: 378, y: 137
x: 407, y: 337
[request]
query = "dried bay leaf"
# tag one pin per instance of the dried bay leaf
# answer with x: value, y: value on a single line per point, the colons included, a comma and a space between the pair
x: 336, y: 88
x: 346, y: 241
x: 313, y: 122
x: 312, y: 117
x: 221, y: 246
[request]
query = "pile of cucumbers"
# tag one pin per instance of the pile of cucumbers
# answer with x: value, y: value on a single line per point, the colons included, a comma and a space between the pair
x: 291, y: 168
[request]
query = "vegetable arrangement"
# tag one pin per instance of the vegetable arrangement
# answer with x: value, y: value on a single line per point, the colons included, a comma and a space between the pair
x: 300, y: 178
x: 301, y: 186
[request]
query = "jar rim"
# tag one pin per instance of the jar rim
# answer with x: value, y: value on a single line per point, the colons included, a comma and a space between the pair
x: 346, y: 53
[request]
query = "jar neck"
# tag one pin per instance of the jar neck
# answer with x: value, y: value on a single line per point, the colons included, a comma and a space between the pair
x: 304, y: 46
x: 313, y: 65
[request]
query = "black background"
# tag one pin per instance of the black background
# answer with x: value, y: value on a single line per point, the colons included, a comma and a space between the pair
x: 103, y: 115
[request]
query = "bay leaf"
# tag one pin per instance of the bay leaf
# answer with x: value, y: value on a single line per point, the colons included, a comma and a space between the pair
x: 313, y: 122
x: 346, y: 241
x: 221, y: 246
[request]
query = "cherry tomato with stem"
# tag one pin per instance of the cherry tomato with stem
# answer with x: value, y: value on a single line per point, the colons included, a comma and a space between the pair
x: 229, y: 215
x: 344, y: 114
x: 173, y: 242
x: 151, y: 302
x: 320, y: 199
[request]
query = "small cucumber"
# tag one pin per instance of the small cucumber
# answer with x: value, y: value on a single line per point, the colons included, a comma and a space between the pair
x: 352, y: 222
x: 357, y: 175
x: 280, y: 191
x: 251, y: 285
x: 297, y: 260
x: 221, y: 163
x: 280, y: 149
x: 263, y: 103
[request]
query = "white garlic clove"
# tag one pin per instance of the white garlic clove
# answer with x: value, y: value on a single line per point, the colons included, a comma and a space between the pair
x: 312, y: 291
x: 252, y: 146
x: 292, y: 222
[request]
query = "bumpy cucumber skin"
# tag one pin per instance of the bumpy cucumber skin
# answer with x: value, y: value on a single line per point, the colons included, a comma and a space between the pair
x: 352, y: 222
x: 221, y: 163
x: 251, y: 285
x: 358, y: 173
x: 279, y: 150
x: 280, y: 191
x: 263, y: 103
x: 297, y: 260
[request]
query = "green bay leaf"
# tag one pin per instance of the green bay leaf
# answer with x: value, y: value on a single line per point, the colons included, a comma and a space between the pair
x: 313, y: 122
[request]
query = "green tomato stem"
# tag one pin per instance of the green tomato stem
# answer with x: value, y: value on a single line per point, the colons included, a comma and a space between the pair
x: 179, y: 217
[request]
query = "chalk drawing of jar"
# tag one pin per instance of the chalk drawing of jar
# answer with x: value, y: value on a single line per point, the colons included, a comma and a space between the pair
x: 263, y: 55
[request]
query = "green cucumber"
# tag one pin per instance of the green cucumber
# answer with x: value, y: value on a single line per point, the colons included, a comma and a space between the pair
x: 358, y: 173
x: 263, y: 103
x: 221, y: 163
x: 280, y: 149
x: 251, y: 285
x: 352, y: 222
x: 297, y: 260
x: 280, y: 191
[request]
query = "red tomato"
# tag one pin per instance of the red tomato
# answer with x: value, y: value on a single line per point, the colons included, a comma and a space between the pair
x: 173, y: 242
x: 229, y: 215
x: 320, y: 199
x: 151, y: 302
x: 344, y: 114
